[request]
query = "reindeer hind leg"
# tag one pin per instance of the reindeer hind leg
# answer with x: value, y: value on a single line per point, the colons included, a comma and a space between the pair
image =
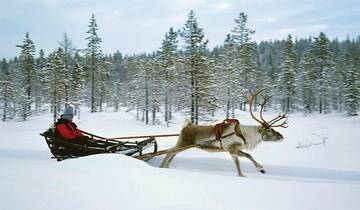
x: 167, y: 160
x: 180, y: 146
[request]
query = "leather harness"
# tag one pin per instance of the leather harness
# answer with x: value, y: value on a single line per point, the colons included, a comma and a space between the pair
x: 219, y: 129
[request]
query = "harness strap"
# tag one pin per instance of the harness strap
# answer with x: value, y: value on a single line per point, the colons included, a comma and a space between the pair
x: 219, y: 129
x: 241, y: 134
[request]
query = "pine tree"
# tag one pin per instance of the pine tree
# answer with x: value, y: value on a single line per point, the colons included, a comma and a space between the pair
x: 229, y: 77
x: 6, y: 88
x: 78, y: 82
x: 246, y: 49
x: 68, y: 50
x: 117, y: 77
x: 169, y: 62
x: 102, y: 78
x: 286, y: 82
x: 16, y: 109
x: 27, y: 64
x: 352, y: 84
x: 338, y: 79
x: 93, y: 54
x: 196, y: 61
x: 55, y: 70
x: 307, y: 81
x: 242, y: 34
x: 325, y: 71
x: 39, y: 84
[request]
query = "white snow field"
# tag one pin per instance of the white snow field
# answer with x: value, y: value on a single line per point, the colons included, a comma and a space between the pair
x: 316, y: 167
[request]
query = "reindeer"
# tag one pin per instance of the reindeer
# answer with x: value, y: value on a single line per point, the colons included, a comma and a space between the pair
x: 230, y: 136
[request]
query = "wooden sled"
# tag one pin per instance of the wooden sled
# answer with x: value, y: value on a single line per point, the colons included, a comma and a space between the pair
x: 62, y: 149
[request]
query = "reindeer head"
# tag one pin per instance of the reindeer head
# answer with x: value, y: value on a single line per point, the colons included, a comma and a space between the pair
x: 266, y: 129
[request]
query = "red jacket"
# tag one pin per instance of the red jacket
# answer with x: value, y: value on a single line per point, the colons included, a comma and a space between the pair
x: 68, y: 130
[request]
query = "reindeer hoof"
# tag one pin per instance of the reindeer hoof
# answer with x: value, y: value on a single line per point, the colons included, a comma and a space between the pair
x: 242, y: 175
x: 263, y: 171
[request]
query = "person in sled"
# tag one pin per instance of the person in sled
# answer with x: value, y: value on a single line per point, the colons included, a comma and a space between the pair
x: 68, y: 130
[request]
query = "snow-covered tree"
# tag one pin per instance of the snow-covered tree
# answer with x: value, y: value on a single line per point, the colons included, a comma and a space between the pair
x: 286, y: 84
x: 27, y: 65
x: 246, y: 47
x: 39, y: 92
x: 324, y: 68
x: 68, y: 49
x: 102, y: 78
x: 195, y: 49
x: 6, y: 89
x: 93, y: 54
x: 117, y: 79
x: 229, y: 77
x: 77, y: 89
x: 352, y: 81
x: 55, y: 70
x: 169, y: 59
x: 306, y: 88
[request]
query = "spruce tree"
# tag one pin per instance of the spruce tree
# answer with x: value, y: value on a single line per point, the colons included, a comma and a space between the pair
x: 307, y: 81
x: 169, y: 63
x: 117, y: 77
x: 246, y: 49
x: 39, y: 84
x: 102, y: 78
x: 325, y: 68
x: 7, y: 89
x: 229, y: 77
x: 68, y: 50
x: 55, y: 70
x: 78, y: 82
x: 93, y: 54
x: 195, y: 50
x: 338, y: 80
x: 286, y: 82
x: 27, y: 65
x: 352, y: 84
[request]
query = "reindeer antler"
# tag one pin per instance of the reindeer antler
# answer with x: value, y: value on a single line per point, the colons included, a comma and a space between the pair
x: 251, y: 102
x: 262, y: 121
x: 278, y: 118
x: 266, y: 99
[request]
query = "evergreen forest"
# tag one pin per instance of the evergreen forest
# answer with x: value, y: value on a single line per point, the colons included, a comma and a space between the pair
x: 307, y: 75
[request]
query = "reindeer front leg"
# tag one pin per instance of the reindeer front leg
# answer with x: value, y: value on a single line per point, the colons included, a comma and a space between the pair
x: 235, y: 151
x: 237, y: 163
x: 259, y: 167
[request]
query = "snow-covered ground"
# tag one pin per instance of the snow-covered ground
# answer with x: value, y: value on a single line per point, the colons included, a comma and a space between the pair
x: 317, y: 166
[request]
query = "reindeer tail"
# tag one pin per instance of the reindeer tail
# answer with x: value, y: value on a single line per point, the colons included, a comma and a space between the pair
x: 186, y: 123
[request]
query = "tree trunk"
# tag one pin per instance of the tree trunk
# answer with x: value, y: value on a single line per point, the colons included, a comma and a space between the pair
x: 192, y: 98
x: 93, y: 108
x: 5, y: 109
x: 146, y: 105
x: 153, y: 114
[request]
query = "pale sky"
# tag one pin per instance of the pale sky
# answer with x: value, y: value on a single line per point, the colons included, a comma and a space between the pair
x: 140, y: 25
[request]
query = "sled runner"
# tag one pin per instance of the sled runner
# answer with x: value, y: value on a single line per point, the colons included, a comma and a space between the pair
x: 63, y: 149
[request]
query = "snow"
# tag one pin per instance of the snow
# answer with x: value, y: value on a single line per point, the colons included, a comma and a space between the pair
x: 315, y: 167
